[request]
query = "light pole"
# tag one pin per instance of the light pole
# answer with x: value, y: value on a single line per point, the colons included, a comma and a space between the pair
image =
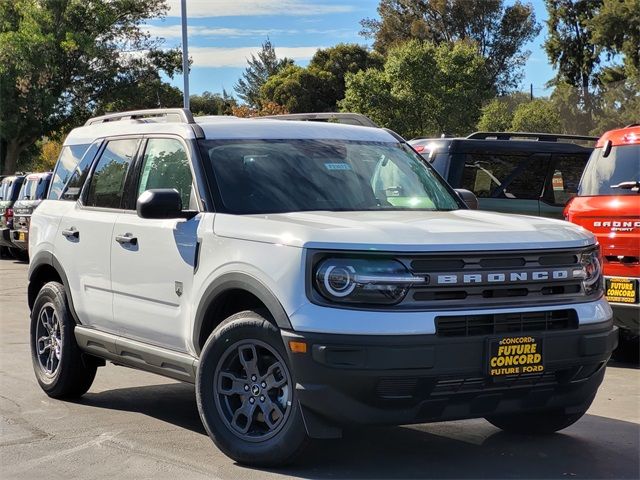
x: 185, y: 55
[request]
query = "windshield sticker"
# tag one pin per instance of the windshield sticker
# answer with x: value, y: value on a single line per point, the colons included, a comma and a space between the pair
x: 337, y: 166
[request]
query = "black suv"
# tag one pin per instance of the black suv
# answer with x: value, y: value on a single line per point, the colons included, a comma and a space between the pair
x: 526, y: 173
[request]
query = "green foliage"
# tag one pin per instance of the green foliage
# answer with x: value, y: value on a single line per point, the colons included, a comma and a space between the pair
x: 616, y: 29
x: 497, y: 115
x: 300, y: 90
x: 212, y: 103
x: 499, y: 32
x: 423, y: 89
x: 62, y: 61
x: 571, y: 50
x: 318, y: 87
x: 538, y: 115
x: 261, y: 68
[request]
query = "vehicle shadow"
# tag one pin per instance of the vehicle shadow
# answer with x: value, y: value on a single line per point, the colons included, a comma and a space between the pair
x: 595, y: 447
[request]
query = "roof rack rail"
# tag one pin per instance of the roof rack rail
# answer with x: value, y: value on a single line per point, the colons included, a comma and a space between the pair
x: 541, y: 137
x: 176, y: 115
x: 342, y: 117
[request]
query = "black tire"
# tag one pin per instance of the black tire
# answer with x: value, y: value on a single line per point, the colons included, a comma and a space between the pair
x: 262, y: 444
x: 628, y: 350
x: 74, y: 372
x: 535, y: 423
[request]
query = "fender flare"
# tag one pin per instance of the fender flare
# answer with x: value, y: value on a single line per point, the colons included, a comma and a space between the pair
x: 238, y: 281
x: 49, y: 259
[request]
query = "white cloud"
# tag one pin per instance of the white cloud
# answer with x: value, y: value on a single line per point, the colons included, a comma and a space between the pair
x: 237, y: 57
x: 245, y: 8
x: 175, y: 32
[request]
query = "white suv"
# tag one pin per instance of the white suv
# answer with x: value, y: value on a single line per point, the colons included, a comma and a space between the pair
x: 306, y: 276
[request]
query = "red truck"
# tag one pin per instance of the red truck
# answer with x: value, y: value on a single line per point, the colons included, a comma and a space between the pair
x: 608, y: 204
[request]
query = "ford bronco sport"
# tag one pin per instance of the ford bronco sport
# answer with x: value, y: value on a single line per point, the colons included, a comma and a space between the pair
x: 33, y: 191
x: 608, y: 204
x: 306, y: 276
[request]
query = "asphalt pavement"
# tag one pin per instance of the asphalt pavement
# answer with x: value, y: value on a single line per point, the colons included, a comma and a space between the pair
x: 137, y: 425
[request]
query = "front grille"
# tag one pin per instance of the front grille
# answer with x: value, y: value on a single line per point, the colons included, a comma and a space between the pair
x: 488, y: 324
x: 464, y: 280
x: 396, y: 387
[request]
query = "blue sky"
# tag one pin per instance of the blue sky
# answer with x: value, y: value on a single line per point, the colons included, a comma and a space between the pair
x: 223, y: 33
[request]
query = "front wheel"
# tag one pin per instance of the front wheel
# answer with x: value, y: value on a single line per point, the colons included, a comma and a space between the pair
x: 536, y: 423
x: 246, y: 393
x: 60, y: 367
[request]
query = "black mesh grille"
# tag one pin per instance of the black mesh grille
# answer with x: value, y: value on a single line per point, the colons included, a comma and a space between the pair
x: 469, y: 325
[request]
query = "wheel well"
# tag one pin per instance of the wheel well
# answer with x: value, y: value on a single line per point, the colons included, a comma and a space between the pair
x: 223, y: 306
x: 44, y: 274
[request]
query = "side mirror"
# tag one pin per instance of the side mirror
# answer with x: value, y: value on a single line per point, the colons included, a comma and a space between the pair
x: 468, y: 197
x: 160, y: 203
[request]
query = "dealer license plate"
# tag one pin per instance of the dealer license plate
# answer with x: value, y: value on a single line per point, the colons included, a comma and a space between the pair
x: 21, y: 236
x: 621, y: 290
x: 515, y: 356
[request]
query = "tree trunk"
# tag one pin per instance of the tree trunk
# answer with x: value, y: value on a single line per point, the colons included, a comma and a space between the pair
x: 11, y: 159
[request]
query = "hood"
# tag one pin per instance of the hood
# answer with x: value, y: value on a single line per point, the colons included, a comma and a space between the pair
x: 459, y: 230
x: 25, y: 207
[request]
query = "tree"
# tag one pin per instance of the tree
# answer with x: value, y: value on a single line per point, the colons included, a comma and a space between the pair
x: 342, y: 59
x: 423, y: 89
x: 497, y: 115
x: 301, y: 90
x: 538, y: 115
x: 499, y: 33
x: 60, y: 62
x: 261, y: 67
x: 319, y: 86
x: 615, y: 28
x: 572, y: 51
x: 212, y: 103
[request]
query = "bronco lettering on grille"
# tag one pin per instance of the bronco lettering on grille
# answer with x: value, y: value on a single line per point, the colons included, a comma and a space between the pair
x: 502, y: 277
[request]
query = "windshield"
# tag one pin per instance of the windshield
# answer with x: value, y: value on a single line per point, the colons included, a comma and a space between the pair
x: 622, y: 165
x: 34, y: 188
x: 9, y: 188
x: 276, y: 176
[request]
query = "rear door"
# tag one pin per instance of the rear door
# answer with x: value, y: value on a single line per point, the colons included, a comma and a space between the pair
x: 83, y: 240
x: 561, y: 183
x: 152, y: 260
x: 505, y: 182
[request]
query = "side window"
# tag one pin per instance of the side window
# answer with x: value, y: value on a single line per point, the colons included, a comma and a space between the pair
x: 166, y: 165
x: 107, y: 181
x: 67, y: 162
x: 72, y: 189
x: 504, y: 176
x: 564, y: 178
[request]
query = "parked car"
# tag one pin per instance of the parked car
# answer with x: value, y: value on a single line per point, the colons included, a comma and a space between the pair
x: 9, y: 190
x: 306, y: 276
x: 608, y: 204
x: 33, y: 191
x: 525, y: 173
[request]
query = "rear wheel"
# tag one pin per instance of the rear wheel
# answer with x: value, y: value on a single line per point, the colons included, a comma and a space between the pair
x: 246, y: 393
x: 536, y: 423
x: 60, y: 367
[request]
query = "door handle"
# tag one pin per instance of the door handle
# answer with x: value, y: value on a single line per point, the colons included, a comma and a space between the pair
x: 71, y: 233
x: 126, y: 239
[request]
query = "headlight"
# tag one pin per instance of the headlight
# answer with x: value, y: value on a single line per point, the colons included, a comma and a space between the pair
x: 591, y: 271
x: 347, y: 280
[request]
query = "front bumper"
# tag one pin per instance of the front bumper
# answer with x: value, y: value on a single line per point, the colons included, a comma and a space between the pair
x: 627, y: 317
x: 354, y: 379
x: 20, y: 241
x: 5, y: 238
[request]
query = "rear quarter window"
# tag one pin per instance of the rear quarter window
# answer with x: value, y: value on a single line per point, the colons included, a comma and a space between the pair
x: 68, y: 163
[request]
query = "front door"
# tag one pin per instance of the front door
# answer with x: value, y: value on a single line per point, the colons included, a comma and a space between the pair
x: 153, y: 261
x: 83, y: 243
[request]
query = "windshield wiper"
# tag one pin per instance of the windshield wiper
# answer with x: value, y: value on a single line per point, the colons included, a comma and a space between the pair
x: 632, y: 185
